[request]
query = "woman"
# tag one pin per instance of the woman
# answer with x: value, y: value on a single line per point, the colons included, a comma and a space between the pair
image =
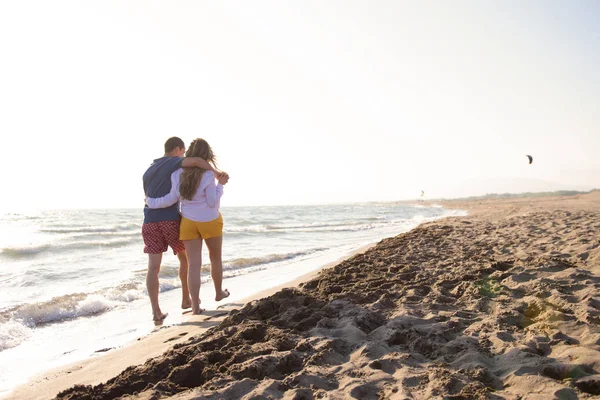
x: 199, y: 201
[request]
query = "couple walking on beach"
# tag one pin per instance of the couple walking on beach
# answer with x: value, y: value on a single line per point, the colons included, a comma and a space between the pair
x: 182, y: 210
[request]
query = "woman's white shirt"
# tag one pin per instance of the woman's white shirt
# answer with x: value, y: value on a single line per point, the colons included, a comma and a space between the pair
x: 205, y: 204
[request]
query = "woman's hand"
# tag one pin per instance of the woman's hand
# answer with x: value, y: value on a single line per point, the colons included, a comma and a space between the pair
x: 222, y: 177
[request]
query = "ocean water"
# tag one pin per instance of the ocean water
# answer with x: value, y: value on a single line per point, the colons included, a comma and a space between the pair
x: 73, y: 281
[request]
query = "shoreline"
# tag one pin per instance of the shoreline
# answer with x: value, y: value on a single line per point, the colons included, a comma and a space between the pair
x: 500, y: 304
x: 106, y: 363
x: 496, y: 304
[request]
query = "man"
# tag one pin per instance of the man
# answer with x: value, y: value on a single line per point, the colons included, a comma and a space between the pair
x: 161, y: 226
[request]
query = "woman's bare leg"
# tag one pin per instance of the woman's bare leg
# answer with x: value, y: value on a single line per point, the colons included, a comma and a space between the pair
x: 193, y: 248
x: 215, y: 246
x: 186, y: 302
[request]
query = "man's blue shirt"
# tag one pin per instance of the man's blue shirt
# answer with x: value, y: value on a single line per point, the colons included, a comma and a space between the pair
x: 157, y: 183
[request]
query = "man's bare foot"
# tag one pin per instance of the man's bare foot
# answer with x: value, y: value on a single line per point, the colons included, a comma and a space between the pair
x: 224, y: 294
x: 185, y: 304
x: 198, y: 311
x: 158, y: 319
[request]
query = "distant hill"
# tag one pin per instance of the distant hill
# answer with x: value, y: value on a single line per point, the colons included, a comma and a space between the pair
x: 477, y: 187
x: 558, y: 193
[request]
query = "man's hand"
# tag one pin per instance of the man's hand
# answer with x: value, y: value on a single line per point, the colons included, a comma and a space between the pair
x: 222, y: 177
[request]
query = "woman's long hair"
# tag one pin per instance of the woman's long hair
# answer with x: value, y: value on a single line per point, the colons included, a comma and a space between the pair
x: 190, y: 178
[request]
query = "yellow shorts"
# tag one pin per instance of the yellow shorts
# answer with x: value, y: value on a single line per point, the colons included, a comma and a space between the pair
x: 191, y: 230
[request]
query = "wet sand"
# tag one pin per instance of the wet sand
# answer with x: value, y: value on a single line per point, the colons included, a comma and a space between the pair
x: 502, y: 304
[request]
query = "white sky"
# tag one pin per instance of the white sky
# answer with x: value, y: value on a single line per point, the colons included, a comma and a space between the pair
x: 303, y: 102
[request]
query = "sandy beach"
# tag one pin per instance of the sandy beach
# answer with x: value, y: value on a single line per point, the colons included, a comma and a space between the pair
x: 501, y: 304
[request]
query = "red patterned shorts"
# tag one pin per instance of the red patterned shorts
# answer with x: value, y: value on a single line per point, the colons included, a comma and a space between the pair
x: 159, y: 235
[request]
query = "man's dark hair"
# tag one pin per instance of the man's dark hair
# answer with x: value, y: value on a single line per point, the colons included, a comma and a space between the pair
x: 172, y: 143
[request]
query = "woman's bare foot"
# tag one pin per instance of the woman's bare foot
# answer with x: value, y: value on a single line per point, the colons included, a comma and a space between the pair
x: 224, y: 294
x: 187, y: 303
x: 198, y: 311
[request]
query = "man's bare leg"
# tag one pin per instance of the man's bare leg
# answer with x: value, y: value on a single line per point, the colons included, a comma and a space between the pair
x: 215, y: 246
x: 193, y: 248
x: 152, y: 286
x: 186, y: 301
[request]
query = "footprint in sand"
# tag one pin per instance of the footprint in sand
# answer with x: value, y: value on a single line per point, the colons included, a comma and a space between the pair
x: 216, y: 316
x: 176, y: 337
